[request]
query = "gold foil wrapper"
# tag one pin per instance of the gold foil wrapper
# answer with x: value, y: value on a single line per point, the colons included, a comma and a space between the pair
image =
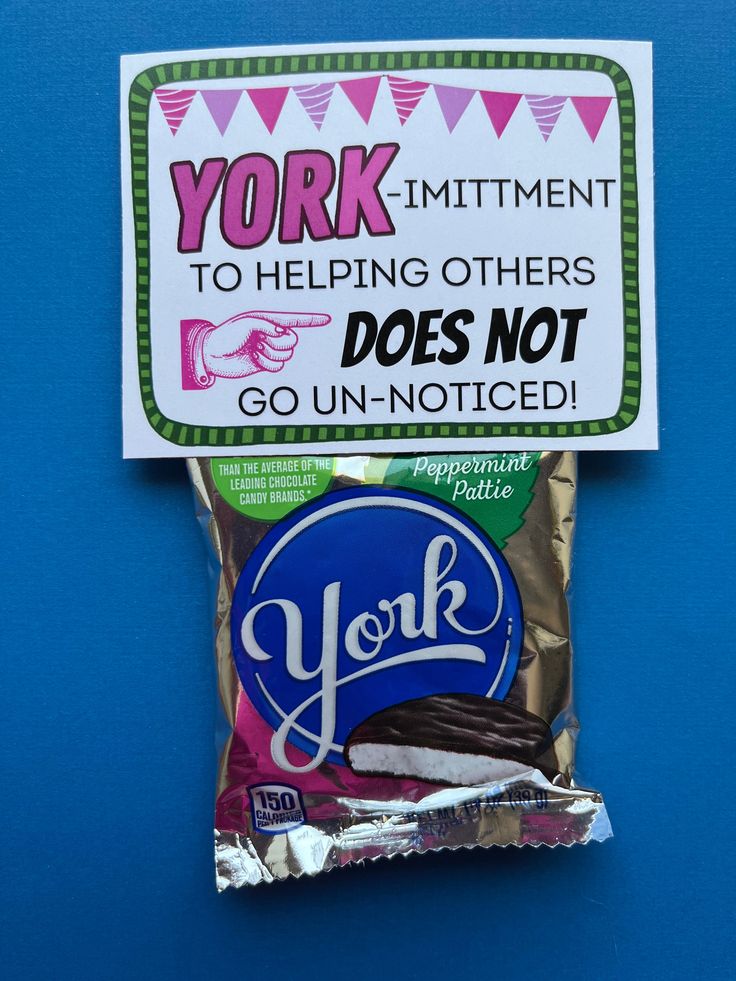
x: 526, y: 809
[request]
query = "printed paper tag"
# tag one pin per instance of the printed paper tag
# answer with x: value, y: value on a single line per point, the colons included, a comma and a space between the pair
x: 429, y: 245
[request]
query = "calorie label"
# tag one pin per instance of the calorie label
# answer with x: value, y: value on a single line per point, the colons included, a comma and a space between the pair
x: 276, y: 808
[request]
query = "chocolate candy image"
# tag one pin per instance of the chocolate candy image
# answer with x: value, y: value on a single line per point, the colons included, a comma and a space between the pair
x: 455, y: 739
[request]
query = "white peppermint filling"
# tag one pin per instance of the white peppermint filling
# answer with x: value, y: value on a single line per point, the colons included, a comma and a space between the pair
x: 433, y: 765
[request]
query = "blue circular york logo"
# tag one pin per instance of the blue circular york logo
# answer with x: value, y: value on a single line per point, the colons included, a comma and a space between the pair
x: 363, y: 599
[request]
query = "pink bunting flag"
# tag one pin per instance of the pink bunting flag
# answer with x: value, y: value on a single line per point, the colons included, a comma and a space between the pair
x: 406, y: 95
x: 362, y: 94
x: 268, y: 104
x: 500, y: 107
x: 453, y: 102
x: 221, y: 103
x: 592, y: 110
x: 316, y: 100
x: 546, y: 110
x: 175, y: 104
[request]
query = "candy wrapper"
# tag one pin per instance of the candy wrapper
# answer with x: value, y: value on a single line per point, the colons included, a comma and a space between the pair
x: 393, y: 651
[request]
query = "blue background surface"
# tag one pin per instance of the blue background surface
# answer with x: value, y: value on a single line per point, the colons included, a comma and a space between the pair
x: 108, y: 694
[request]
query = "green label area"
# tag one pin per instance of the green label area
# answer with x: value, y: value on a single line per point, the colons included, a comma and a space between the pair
x: 494, y: 489
x: 268, y: 487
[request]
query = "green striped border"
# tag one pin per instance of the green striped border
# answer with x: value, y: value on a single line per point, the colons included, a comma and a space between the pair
x: 185, y: 434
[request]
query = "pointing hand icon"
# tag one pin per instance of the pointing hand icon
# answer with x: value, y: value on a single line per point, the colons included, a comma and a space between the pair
x: 243, y: 345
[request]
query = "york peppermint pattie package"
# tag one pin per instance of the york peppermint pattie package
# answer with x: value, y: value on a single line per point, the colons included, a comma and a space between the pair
x: 393, y: 651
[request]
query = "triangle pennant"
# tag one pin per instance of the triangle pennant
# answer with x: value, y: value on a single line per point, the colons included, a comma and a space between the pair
x: 316, y: 100
x: 175, y: 104
x: 406, y: 95
x: 592, y: 110
x: 500, y: 107
x: 453, y: 102
x: 362, y: 94
x: 268, y: 104
x: 546, y: 110
x: 221, y: 103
